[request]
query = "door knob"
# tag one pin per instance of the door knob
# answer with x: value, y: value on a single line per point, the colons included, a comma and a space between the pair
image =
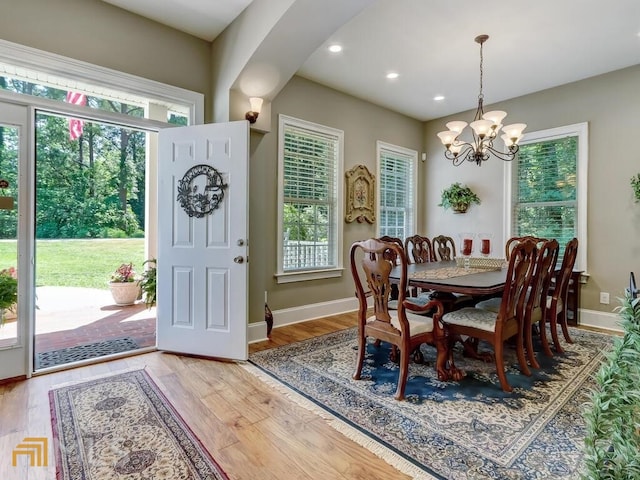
x: 239, y: 259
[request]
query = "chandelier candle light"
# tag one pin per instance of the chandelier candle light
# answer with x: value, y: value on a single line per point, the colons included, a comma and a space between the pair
x: 484, y: 129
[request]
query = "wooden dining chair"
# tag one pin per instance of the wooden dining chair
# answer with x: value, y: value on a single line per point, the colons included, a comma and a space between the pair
x: 513, y: 241
x: 404, y: 329
x: 444, y: 248
x: 556, y: 311
x: 418, y: 249
x: 497, y: 328
x: 536, y: 298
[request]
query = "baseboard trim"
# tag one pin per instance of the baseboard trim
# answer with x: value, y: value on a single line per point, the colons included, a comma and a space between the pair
x: 602, y: 320
x: 257, y: 332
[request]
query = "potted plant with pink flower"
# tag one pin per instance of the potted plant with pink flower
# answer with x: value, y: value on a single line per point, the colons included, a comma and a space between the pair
x: 125, y: 285
x: 8, y: 291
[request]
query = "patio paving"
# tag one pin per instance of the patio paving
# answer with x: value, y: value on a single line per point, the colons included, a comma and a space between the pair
x: 70, y: 316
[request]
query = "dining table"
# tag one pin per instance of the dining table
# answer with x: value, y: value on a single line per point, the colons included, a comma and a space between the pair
x: 449, y: 277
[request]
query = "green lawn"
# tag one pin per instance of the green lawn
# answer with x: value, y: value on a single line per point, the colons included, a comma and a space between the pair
x: 78, y: 263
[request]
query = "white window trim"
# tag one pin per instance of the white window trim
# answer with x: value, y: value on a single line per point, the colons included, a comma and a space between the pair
x: 581, y: 130
x: 59, y: 66
x: 290, y: 277
x: 414, y: 167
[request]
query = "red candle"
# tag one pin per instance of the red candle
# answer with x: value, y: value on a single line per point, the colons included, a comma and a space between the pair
x: 466, y: 246
x: 486, y: 246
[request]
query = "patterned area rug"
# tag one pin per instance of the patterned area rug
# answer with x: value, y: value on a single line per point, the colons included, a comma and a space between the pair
x: 83, y: 352
x: 123, y: 427
x: 457, y: 430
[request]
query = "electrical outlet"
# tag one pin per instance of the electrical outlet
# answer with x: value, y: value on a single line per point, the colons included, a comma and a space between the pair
x: 604, y: 298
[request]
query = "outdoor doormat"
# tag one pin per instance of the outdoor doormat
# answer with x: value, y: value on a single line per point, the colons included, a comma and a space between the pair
x: 122, y: 427
x: 469, y: 429
x: 84, y: 352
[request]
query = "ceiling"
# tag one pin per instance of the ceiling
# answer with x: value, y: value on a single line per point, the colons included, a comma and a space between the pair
x: 430, y: 44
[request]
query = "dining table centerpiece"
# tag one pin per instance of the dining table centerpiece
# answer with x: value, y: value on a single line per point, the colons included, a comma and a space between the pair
x: 125, y: 285
x: 8, y: 291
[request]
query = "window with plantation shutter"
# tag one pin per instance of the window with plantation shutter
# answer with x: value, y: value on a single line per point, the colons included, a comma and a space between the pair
x: 549, y: 186
x: 310, y: 198
x: 396, y: 190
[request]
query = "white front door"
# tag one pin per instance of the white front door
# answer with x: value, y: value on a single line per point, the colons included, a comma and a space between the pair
x: 202, y: 240
x: 14, y: 335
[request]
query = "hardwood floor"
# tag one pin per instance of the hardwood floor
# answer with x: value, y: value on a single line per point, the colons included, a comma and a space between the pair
x: 252, y: 431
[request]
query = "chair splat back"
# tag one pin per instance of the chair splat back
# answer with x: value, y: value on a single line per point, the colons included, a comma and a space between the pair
x: 444, y: 248
x: 519, y: 273
x: 513, y: 241
x: 419, y: 249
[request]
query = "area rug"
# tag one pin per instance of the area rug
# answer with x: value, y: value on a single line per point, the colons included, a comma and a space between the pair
x: 447, y: 430
x: 84, y: 352
x: 123, y: 427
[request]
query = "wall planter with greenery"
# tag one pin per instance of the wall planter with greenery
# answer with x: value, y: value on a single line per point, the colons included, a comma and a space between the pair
x: 612, y: 442
x: 458, y: 198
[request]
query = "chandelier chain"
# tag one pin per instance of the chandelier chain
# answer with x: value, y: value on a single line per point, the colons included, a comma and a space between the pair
x: 481, y: 95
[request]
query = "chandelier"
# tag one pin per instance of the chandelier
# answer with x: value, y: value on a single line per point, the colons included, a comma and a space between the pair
x: 484, y: 129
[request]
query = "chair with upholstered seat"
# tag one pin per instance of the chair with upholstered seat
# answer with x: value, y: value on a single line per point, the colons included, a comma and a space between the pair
x: 536, y: 297
x: 496, y: 328
x: 556, y: 311
x: 371, y: 265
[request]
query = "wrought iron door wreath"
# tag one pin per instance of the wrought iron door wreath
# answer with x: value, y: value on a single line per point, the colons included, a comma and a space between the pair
x: 197, y: 204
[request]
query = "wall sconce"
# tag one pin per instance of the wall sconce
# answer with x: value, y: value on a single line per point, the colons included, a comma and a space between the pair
x: 256, y: 106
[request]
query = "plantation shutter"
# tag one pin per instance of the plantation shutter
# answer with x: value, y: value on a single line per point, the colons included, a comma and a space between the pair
x: 545, y: 195
x: 397, y: 193
x: 310, y: 199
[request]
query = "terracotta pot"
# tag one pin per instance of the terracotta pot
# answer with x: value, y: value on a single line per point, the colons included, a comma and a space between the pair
x: 124, y: 293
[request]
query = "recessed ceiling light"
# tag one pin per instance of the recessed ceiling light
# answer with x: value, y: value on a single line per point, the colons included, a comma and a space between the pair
x: 392, y: 75
x: 438, y: 98
x: 335, y: 48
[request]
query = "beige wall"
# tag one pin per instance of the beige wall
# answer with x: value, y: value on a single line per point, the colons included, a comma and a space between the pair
x: 363, y: 124
x: 104, y: 35
x: 610, y: 104
x: 98, y: 33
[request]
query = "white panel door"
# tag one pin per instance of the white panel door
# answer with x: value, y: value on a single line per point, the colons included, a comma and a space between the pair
x: 202, y: 240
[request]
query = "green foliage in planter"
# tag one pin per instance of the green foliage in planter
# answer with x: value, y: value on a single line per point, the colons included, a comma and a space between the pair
x: 612, y: 442
x: 458, y: 197
x: 148, y: 282
x: 635, y: 184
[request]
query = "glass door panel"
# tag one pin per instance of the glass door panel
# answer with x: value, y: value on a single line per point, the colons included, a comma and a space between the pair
x: 13, y: 125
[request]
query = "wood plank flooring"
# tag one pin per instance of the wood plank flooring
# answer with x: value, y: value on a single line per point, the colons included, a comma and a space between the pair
x: 252, y: 431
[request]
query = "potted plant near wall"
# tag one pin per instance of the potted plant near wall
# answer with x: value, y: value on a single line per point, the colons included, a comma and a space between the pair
x: 612, y: 439
x: 458, y: 198
x: 125, y: 285
x: 148, y: 282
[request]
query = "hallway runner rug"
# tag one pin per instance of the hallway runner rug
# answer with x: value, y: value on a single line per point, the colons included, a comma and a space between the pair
x: 122, y: 426
x: 447, y: 430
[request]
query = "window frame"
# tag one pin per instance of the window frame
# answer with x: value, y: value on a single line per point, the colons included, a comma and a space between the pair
x: 318, y: 273
x: 412, y: 157
x: 581, y: 131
